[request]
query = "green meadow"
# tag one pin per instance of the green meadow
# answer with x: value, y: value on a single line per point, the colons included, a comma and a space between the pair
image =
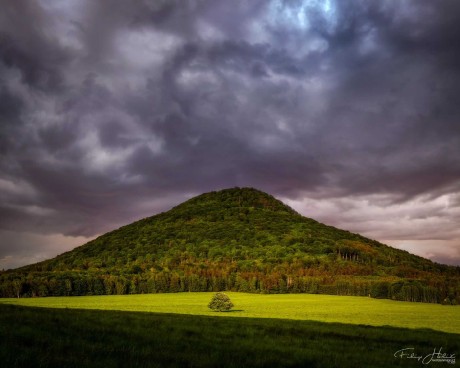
x: 322, y: 308
x: 178, y: 330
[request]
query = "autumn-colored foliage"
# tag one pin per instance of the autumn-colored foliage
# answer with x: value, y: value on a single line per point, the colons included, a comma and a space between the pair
x: 238, y: 239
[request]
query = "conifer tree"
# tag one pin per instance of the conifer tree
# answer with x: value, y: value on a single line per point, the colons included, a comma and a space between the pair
x: 220, y: 302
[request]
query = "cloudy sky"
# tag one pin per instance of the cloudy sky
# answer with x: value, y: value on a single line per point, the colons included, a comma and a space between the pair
x: 111, y: 111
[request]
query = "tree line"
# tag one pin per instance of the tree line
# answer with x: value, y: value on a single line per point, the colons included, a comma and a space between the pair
x: 76, y: 284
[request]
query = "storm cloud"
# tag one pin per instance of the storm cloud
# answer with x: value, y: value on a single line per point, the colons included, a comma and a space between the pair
x: 111, y: 111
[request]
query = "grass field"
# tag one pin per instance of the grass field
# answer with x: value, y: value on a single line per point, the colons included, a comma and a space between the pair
x: 323, y: 308
x: 178, y: 330
x: 61, y: 338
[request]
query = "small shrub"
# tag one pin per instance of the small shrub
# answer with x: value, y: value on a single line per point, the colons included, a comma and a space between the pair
x: 446, y: 301
x: 220, y: 302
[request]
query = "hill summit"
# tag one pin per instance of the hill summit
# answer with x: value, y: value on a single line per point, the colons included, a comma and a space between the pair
x: 238, y: 239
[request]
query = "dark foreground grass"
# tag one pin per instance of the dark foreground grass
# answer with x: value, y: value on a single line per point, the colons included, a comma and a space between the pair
x: 39, y: 337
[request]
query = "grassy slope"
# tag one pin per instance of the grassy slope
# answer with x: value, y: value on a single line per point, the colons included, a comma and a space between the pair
x: 324, y: 308
x: 37, y: 337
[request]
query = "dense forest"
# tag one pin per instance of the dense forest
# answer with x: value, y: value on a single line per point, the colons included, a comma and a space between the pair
x: 238, y: 239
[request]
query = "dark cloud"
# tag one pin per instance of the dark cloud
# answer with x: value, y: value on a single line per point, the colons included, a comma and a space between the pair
x: 114, y: 111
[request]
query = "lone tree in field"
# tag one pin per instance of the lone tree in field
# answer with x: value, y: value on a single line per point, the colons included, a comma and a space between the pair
x: 220, y: 302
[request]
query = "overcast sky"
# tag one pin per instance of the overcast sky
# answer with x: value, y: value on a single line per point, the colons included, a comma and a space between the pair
x: 111, y: 111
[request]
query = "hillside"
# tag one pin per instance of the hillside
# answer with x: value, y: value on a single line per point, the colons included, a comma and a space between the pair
x: 236, y: 239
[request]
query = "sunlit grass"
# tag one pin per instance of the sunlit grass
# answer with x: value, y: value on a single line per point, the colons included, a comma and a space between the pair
x: 324, y: 308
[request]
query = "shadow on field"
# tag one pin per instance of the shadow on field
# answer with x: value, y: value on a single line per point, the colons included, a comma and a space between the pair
x: 77, y: 338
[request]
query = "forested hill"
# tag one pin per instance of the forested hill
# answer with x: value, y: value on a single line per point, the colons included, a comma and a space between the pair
x: 235, y: 239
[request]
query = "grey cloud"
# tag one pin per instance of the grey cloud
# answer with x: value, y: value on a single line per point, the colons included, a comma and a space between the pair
x: 143, y: 100
x: 28, y: 44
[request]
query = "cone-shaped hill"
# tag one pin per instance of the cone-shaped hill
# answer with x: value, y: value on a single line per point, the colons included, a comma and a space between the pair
x: 235, y: 239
